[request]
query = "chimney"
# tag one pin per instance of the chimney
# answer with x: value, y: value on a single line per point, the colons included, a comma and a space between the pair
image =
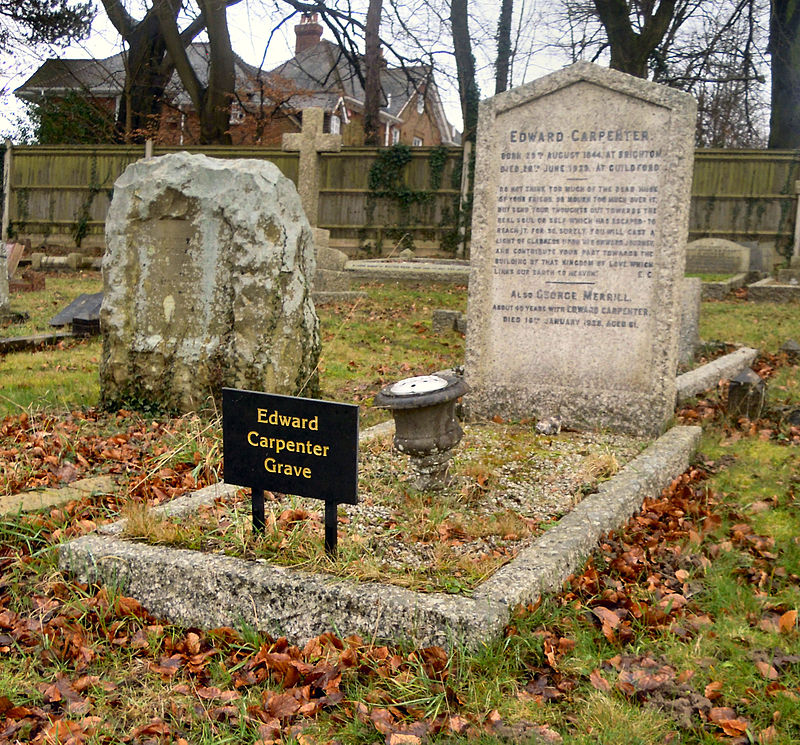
x: 308, y: 32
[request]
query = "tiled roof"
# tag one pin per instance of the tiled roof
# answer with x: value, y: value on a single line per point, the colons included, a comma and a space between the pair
x: 107, y: 76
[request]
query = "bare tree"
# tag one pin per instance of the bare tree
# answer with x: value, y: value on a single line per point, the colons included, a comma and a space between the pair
x: 148, y: 66
x: 503, y: 63
x: 372, y: 76
x: 713, y: 52
x: 468, y: 90
x: 211, y: 100
x: 634, y: 31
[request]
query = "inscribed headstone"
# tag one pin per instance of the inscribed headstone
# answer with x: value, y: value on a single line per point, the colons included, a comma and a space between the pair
x: 579, y: 229
x: 206, y: 283
x: 716, y: 256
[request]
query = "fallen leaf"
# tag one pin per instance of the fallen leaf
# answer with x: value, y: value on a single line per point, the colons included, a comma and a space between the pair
x: 457, y: 724
x: 402, y: 738
x: 382, y: 720
x: 599, y: 682
x: 767, y: 671
x: 787, y: 621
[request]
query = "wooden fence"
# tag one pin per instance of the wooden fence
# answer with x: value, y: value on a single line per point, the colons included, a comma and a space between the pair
x: 61, y: 194
x: 746, y: 195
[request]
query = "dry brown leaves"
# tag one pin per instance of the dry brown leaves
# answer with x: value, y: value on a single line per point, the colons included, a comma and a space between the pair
x: 51, y: 451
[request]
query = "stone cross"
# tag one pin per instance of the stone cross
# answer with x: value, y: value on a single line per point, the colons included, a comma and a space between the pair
x: 310, y: 142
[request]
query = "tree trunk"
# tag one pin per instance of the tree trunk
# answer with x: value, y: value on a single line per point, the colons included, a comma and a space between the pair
x: 503, y: 47
x: 145, y: 80
x: 372, y: 80
x: 465, y: 66
x: 784, y: 49
x: 212, y: 102
x: 218, y: 96
x: 630, y: 51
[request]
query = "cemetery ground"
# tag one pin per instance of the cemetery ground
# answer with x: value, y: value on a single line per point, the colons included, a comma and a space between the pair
x: 681, y: 628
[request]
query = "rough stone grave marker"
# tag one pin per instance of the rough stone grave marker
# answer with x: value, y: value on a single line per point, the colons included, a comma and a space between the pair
x: 207, y: 283
x: 578, y: 249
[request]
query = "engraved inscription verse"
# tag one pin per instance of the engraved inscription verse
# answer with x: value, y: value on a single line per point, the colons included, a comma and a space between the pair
x: 577, y: 215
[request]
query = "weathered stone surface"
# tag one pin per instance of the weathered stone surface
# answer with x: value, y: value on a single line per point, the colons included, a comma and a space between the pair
x: 708, y: 376
x: 720, y: 290
x: 38, y: 499
x: 556, y: 554
x: 716, y: 256
x: 377, y: 270
x: 206, y: 590
x: 689, y: 339
x: 206, y: 283
x: 578, y: 237
x: 444, y: 320
x: 768, y: 290
x: 3, y: 280
x: 747, y: 395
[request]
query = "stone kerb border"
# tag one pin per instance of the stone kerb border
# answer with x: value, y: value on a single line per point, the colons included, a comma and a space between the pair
x: 211, y: 590
x: 769, y: 290
x: 720, y: 290
x: 707, y: 376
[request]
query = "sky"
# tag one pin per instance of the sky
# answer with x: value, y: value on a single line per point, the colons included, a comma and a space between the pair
x: 250, y: 23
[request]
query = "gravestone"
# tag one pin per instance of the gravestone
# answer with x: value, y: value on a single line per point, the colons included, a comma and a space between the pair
x: 716, y: 256
x: 206, y: 283
x: 689, y: 339
x: 578, y: 248
x: 86, y: 305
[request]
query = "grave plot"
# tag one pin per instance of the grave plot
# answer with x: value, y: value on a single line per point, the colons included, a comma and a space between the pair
x: 212, y: 589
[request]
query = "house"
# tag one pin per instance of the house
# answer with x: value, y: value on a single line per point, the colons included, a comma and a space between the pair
x: 102, y: 84
x: 268, y: 104
x: 412, y: 111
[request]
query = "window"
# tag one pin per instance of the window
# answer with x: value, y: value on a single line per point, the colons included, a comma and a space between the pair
x: 420, y: 103
x: 417, y: 142
x: 336, y: 124
x: 395, y: 136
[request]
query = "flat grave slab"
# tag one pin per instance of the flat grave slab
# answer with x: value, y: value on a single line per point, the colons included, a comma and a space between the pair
x: 210, y: 590
x: 85, y: 306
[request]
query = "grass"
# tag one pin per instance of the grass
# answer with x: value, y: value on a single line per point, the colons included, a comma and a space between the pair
x: 765, y: 326
x: 722, y: 667
x: 507, y: 484
x: 711, y: 277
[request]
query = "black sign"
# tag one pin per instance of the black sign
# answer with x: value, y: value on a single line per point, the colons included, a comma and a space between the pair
x: 290, y: 445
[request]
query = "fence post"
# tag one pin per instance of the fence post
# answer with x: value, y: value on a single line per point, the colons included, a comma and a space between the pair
x: 148, y: 149
x: 794, y: 259
x: 7, y: 161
